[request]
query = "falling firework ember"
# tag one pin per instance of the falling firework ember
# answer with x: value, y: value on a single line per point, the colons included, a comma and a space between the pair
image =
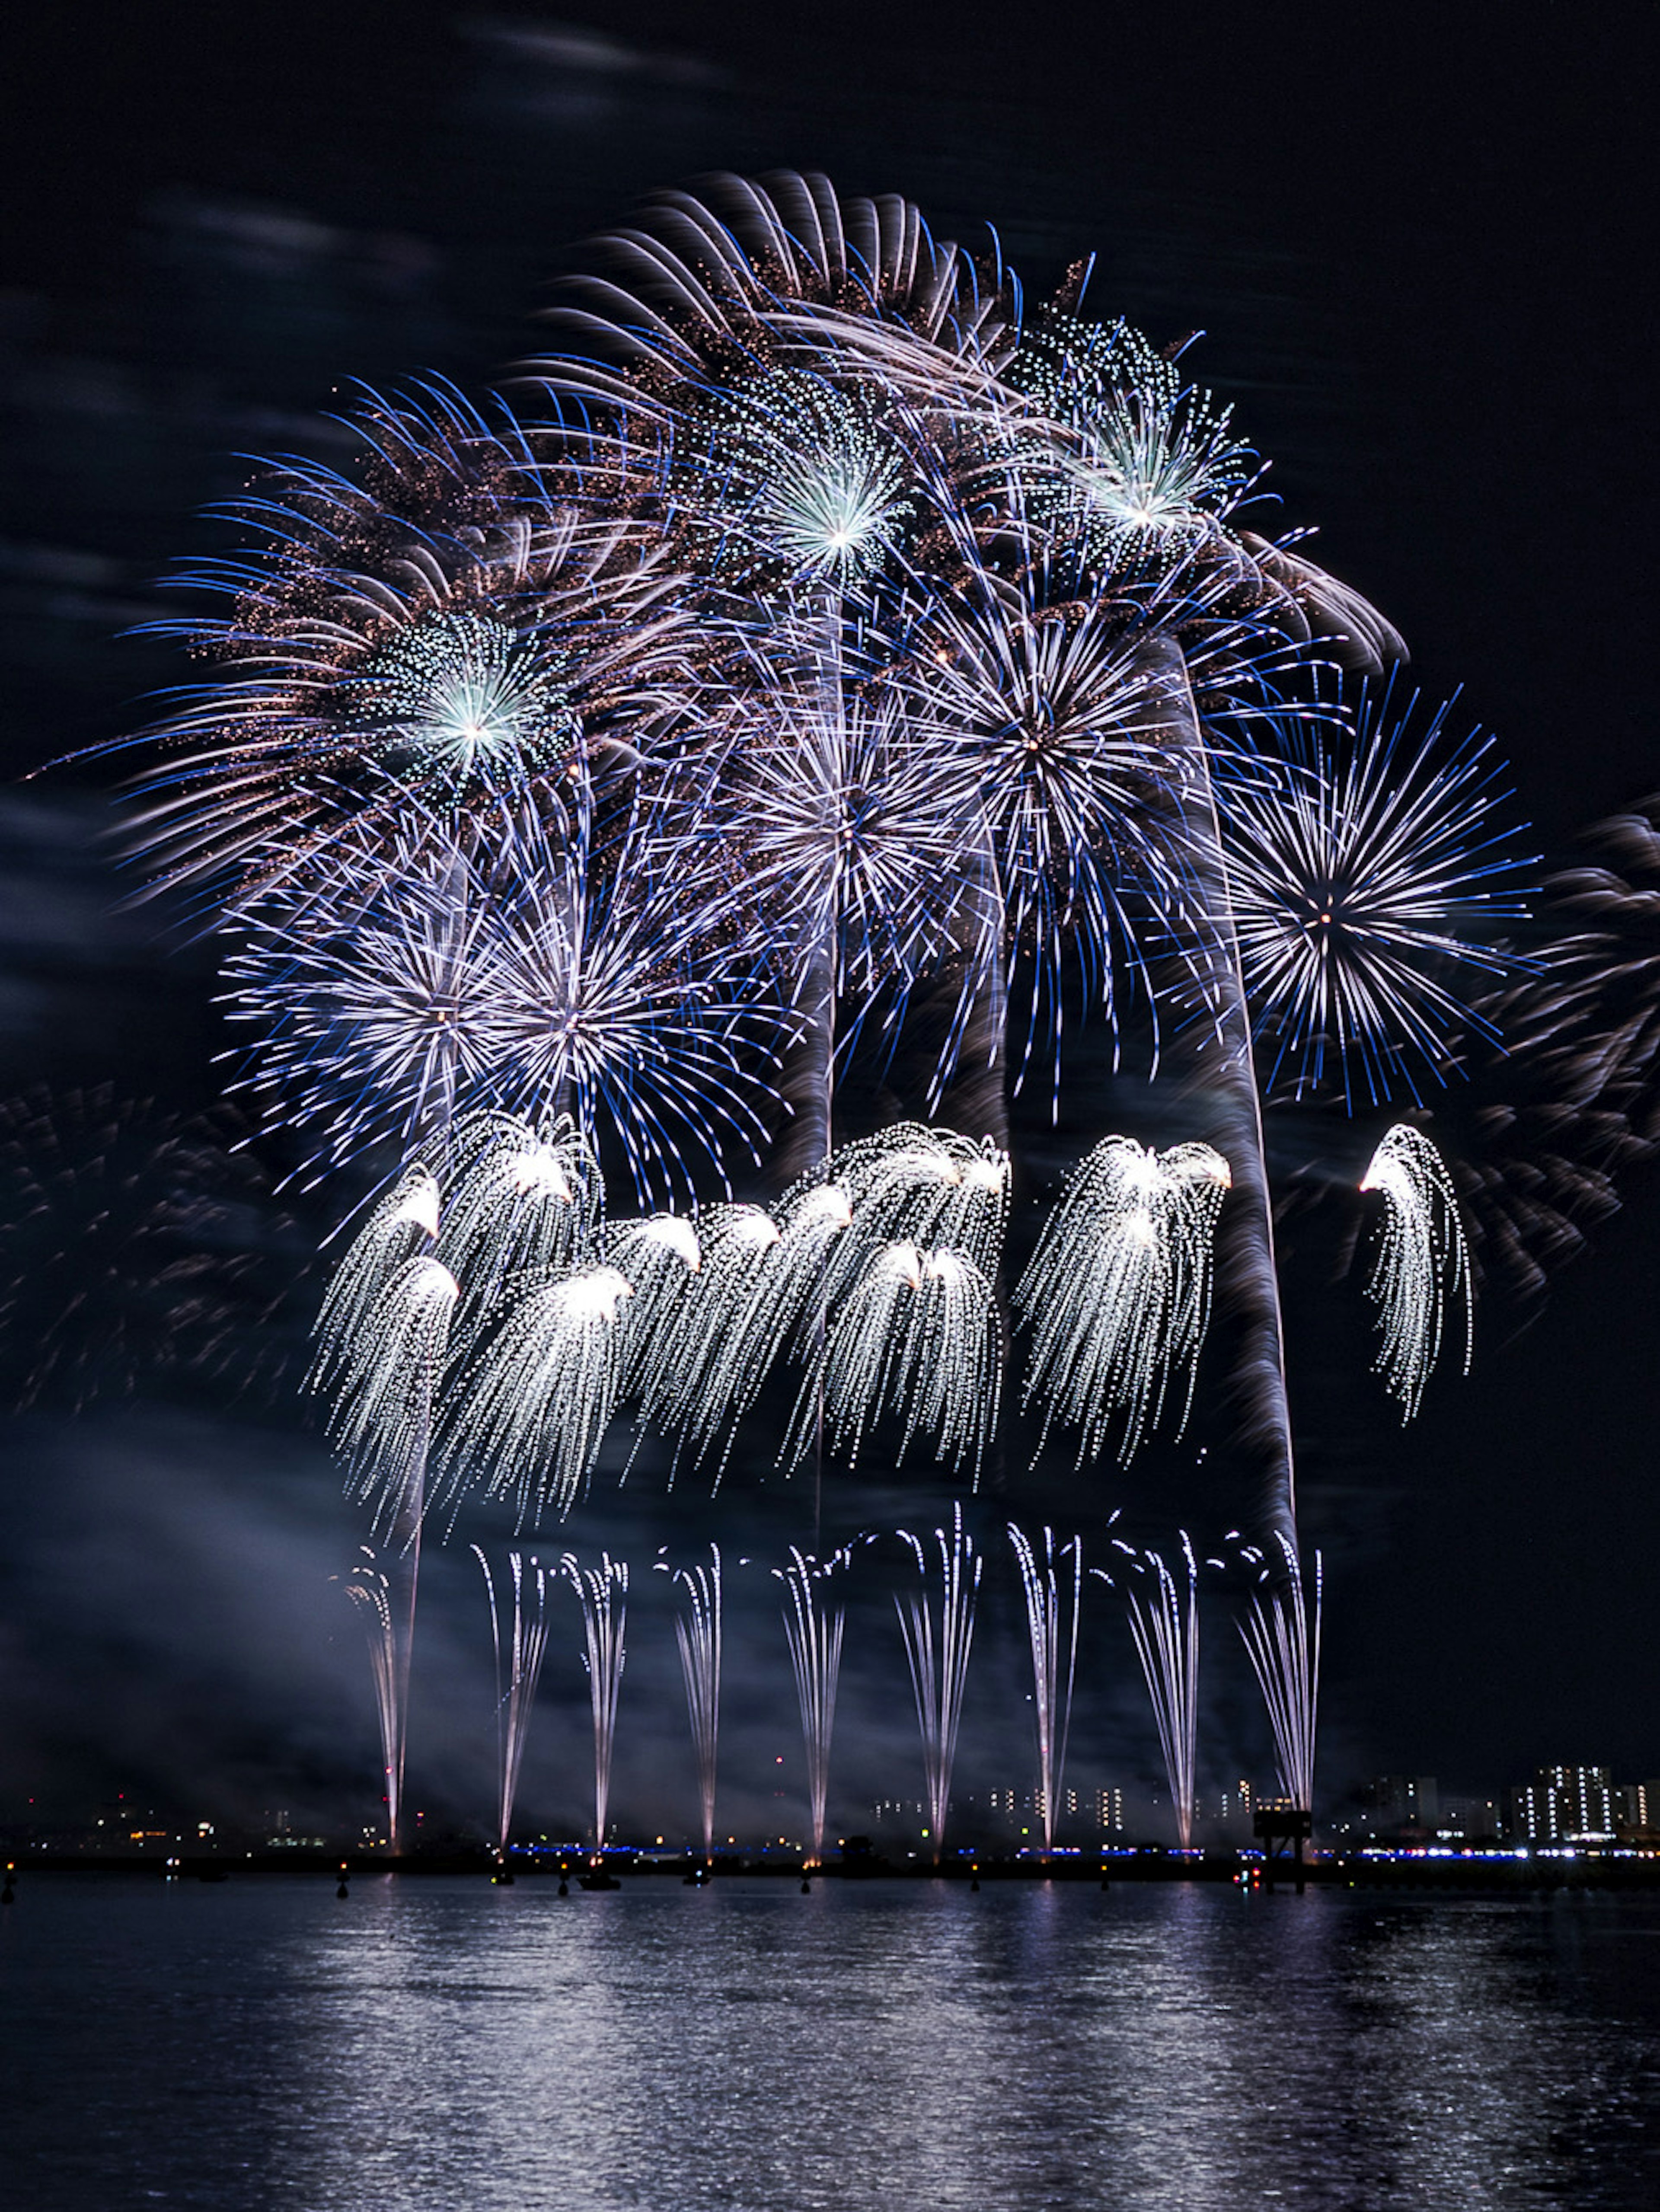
x: 813, y: 1626
x: 604, y: 1592
x: 518, y: 1658
x: 719, y: 1339
x: 1052, y: 1596
x: 937, y: 1644
x: 522, y: 1204
x: 530, y: 1418
x: 1164, y: 1620
x: 657, y: 1258
x: 697, y: 1633
x: 1117, y: 1293
x: 1422, y: 1263
x: 917, y: 1340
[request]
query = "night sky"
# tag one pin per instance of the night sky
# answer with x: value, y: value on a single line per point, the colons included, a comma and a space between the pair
x: 1417, y: 255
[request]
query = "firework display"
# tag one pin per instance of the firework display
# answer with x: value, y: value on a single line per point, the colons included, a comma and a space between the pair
x: 938, y: 1642
x: 837, y: 685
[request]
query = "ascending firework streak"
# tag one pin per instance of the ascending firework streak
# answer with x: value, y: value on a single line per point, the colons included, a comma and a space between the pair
x: 937, y: 1651
x: 918, y: 1338
x: 1052, y: 1597
x: 1282, y: 1635
x: 1117, y: 1294
x: 383, y: 1337
x: 518, y: 1668
x: 813, y: 1627
x: 1165, y: 1623
x: 697, y: 1632
x: 368, y: 1589
x: 603, y: 1592
x: 1422, y: 1261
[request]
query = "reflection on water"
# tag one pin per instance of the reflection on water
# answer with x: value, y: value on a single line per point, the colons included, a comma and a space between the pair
x: 442, y: 2045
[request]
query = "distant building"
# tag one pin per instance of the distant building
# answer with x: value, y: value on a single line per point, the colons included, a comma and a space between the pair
x: 1636, y: 1811
x: 1564, y: 1805
x: 1397, y: 1803
x: 1471, y: 1821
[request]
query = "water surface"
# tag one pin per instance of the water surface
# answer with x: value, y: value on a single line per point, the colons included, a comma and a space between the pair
x: 444, y: 2045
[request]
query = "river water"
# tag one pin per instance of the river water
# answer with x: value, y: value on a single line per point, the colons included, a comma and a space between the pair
x: 444, y: 2045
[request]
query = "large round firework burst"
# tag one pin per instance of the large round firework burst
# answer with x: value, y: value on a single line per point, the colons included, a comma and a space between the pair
x: 780, y: 272
x: 410, y: 977
x: 1147, y: 464
x: 791, y: 481
x: 455, y: 623
x: 1370, y: 877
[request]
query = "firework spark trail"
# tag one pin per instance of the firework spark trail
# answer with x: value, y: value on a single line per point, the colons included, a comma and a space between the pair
x: 1052, y: 1610
x: 697, y: 1633
x: 917, y: 1340
x: 521, y: 1203
x: 1422, y: 1262
x: 401, y: 1225
x: 1364, y: 871
x: 529, y: 1417
x: 812, y: 1627
x: 604, y: 1592
x: 847, y: 814
x: 518, y: 1669
x: 1281, y: 1631
x: 1118, y: 1292
x: 1057, y: 716
x: 372, y: 1593
x: 1165, y: 1623
x: 937, y: 1645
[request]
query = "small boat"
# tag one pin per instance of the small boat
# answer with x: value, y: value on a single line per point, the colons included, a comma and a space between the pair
x: 599, y: 1878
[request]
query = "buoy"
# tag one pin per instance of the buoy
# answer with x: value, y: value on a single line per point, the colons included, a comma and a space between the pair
x: 564, y: 1887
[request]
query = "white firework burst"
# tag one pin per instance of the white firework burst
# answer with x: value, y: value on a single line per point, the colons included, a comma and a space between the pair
x: 1422, y: 1266
x: 1117, y: 1294
x: 530, y: 1415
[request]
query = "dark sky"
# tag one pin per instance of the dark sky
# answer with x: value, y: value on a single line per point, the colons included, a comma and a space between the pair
x: 1416, y: 248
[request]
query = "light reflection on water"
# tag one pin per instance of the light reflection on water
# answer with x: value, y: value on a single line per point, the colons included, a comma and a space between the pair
x: 444, y: 2045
